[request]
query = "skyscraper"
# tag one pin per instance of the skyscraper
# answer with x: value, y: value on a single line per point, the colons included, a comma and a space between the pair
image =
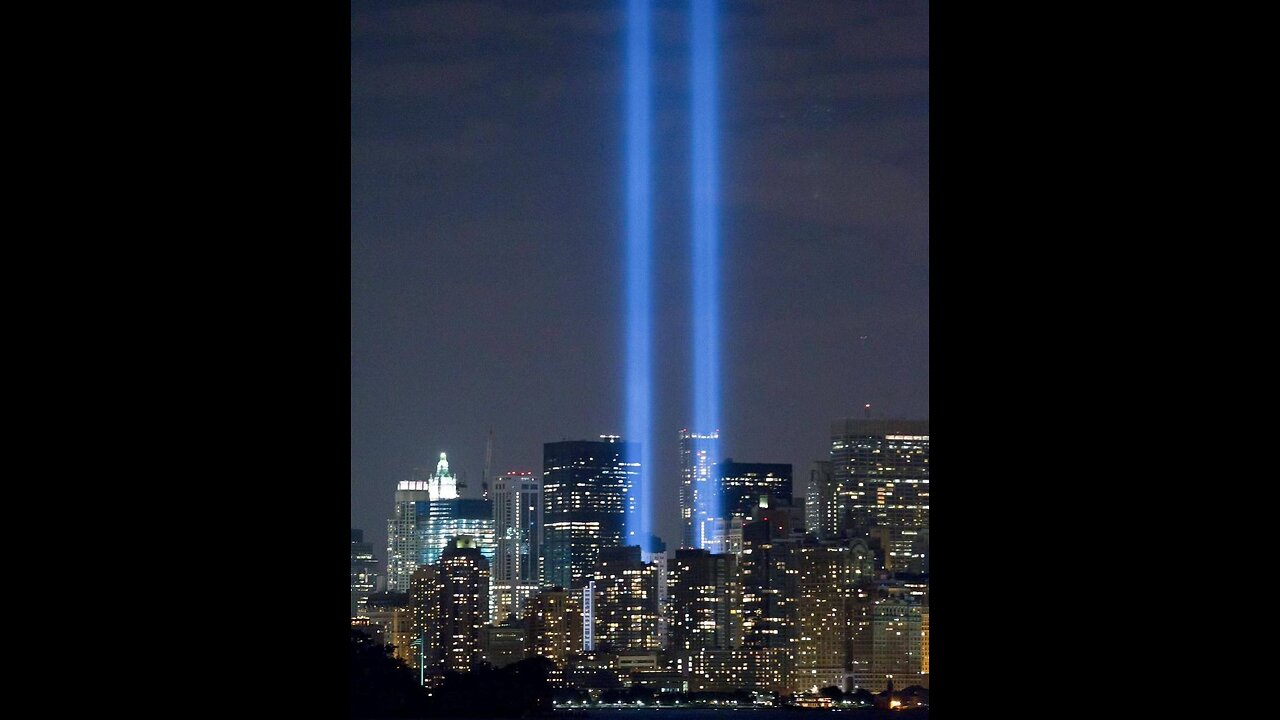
x: 553, y: 626
x: 447, y: 519
x: 768, y: 577
x: 452, y: 604
x: 412, y: 503
x: 517, y: 518
x: 428, y: 515
x: 697, y: 501
x: 626, y: 607
x: 743, y: 484
x: 821, y: 513
x: 586, y: 492
x: 829, y: 575
x: 414, y: 508
x: 898, y: 644
x: 880, y: 469
x: 364, y: 572
x: 744, y: 490
x: 704, y: 598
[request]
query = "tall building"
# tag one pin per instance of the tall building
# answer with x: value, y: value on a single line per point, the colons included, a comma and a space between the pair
x: 745, y: 489
x: 698, y: 501
x: 517, y: 519
x: 586, y: 493
x: 742, y: 485
x: 417, y: 507
x: 704, y: 598
x: 403, y: 544
x: 767, y: 572
x: 828, y: 574
x: 821, y: 511
x: 626, y: 601
x: 453, y: 605
x: 364, y: 573
x: 657, y: 554
x: 425, y: 597
x: 447, y: 519
x: 880, y: 469
x: 553, y: 625
x: 898, y: 644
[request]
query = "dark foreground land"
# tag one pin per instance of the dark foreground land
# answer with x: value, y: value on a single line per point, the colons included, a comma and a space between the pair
x: 864, y: 713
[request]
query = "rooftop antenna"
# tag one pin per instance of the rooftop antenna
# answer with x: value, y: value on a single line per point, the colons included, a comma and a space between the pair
x: 867, y: 409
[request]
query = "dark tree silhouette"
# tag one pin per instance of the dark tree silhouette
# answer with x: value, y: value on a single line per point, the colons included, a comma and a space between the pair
x: 381, y: 686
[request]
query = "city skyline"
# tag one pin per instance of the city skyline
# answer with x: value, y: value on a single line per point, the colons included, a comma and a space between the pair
x: 487, y: 167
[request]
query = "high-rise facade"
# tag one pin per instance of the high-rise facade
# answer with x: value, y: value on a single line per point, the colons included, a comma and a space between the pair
x: 742, y: 485
x: 626, y: 601
x: 420, y: 518
x: 821, y: 511
x: 768, y: 585
x: 698, y: 501
x: 501, y: 645
x: 451, y: 601
x: 517, y: 564
x: 364, y: 573
x: 464, y: 581
x: 828, y: 577
x: 587, y: 493
x: 413, y: 502
x: 704, y: 599
x: 553, y: 626
x: 745, y: 489
x: 880, y: 469
x: 898, y: 644
x: 444, y: 520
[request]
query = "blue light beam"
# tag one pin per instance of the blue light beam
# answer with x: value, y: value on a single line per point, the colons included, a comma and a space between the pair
x: 639, y: 240
x: 706, y: 233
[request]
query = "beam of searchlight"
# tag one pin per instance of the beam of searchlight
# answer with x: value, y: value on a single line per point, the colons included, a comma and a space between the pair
x: 638, y: 273
x: 705, y: 231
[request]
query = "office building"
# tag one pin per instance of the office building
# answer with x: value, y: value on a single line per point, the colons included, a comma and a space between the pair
x: 501, y: 645
x: 704, y: 601
x: 422, y: 524
x: 553, y: 625
x: 425, y: 598
x: 821, y: 509
x: 827, y: 577
x: 586, y: 493
x: 744, y: 485
x: 698, y: 501
x: 767, y: 575
x: 517, y: 564
x: 456, y: 602
x: 881, y: 473
x: 447, y: 519
x: 898, y: 644
x: 412, y: 501
x: 626, y: 601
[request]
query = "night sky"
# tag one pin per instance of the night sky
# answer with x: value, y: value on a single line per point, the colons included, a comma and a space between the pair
x: 487, y: 232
